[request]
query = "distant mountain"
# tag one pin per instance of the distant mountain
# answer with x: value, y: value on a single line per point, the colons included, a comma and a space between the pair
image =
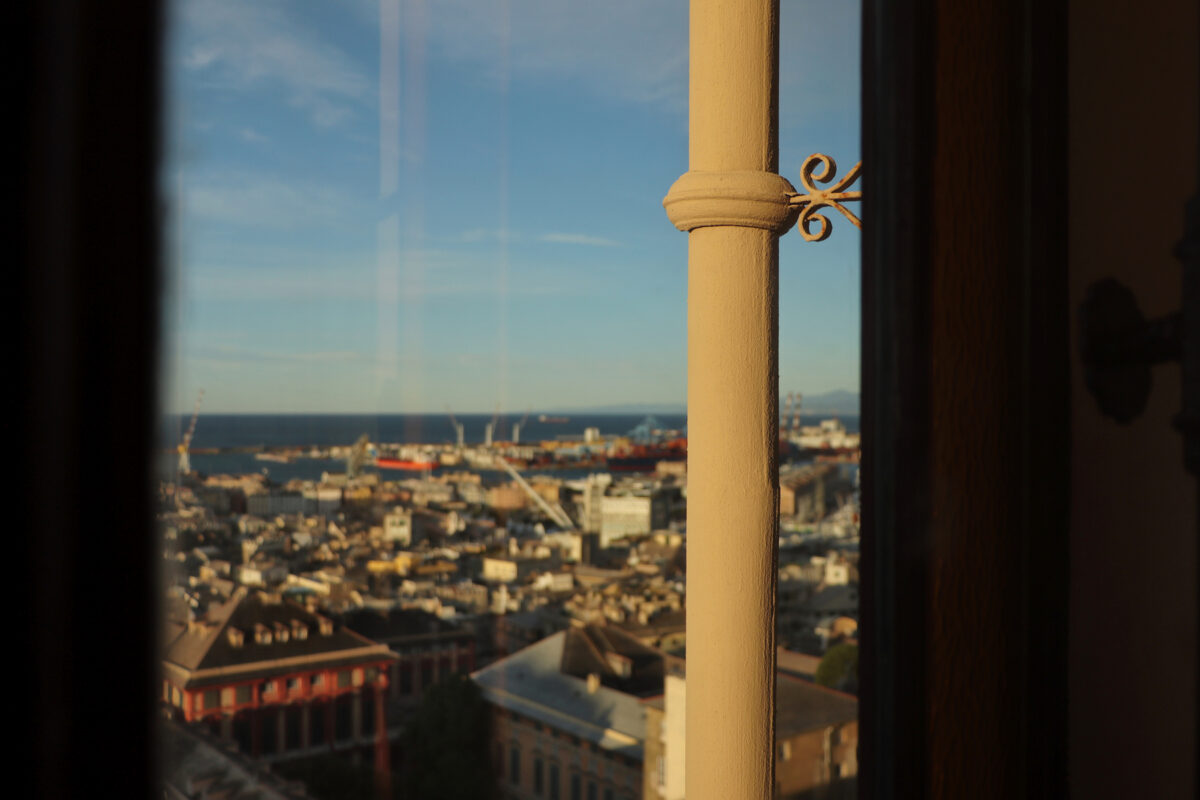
x: 627, y: 408
x: 839, y: 401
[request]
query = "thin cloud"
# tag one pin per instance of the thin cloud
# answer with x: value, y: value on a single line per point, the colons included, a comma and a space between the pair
x: 247, y: 46
x: 233, y: 353
x: 251, y: 135
x: 254, y: 200
x: 628, y: 50
x: 578, y: 238
x: 441, y: 275
x: 488, y: 235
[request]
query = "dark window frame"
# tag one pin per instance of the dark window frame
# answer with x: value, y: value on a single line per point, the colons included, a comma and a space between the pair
x: 87, y: 310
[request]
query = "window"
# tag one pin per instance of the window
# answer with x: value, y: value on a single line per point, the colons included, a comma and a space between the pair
x: 212, y: 699
x: 343, y: 718
x: 406, y: 680
x: 269, y: 728
x: 138, y: 89
x: 245, y: 694
x: 318, y: 728
x: 514, y: 765
x: 293, y: 727
x: 554, y: 781
x: 368, y: 715
x: 359, y: 312
x: 538, y: 778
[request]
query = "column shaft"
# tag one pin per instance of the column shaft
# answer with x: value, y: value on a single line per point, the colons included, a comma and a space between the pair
x: 734, y: 207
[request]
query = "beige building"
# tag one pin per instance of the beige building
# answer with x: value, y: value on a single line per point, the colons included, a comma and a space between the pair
x: 631, y: 515
x: 569, y: 718
x: 397, y: 527
x: 509, y: 497
x: 803, y: 492
x: 816, y: 737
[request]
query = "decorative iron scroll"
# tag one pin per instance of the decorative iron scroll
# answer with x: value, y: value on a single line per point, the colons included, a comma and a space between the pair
x: 821, y: 168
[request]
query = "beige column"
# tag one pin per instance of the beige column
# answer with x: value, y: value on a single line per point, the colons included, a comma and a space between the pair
x: 734, y: 206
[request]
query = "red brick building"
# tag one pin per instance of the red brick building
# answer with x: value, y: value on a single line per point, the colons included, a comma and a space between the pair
x: 282, y: 681
x: 428, y: 649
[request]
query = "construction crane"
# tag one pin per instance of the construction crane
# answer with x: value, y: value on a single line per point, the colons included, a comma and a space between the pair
x: 555, y: 512
x: 489, y: 432
x: 458, y: 429
x: 185, y: 462
x: 518, y: 426
x: 357, y: 456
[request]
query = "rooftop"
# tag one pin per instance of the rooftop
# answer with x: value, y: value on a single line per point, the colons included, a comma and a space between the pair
x: 255, y: 632
x: 531, y: 683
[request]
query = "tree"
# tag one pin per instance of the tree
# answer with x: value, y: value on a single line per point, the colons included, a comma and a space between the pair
x: 445, y: 744
x: 839, y: 668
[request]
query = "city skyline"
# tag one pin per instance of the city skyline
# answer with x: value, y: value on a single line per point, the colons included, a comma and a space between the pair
x: 507, y: 247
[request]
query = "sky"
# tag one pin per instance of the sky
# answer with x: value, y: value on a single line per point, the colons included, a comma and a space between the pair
x: 395, y: 206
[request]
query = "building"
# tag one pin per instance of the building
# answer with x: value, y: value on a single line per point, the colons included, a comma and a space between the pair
x: 515, y: 569
x: 197, y: 764
x: 281, y: 681
x: 802, y: 492
x: 397, y: 527
x: 816, y: 737
x: 632, y: 514
x: 427, y: 648
x: 569, y: 715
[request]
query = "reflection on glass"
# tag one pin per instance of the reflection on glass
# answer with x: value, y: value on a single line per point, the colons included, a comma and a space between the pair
x: 423, y: 473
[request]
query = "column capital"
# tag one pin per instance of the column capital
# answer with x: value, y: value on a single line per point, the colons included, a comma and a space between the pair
x: 737, y: 198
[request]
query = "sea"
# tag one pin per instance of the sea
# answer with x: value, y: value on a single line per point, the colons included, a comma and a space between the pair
x: 248, y: 431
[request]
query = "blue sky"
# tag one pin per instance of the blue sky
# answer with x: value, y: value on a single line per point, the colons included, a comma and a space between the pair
x: 465, y: 210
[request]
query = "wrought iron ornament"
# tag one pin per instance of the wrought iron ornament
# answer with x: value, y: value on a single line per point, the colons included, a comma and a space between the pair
x: 821, y: 168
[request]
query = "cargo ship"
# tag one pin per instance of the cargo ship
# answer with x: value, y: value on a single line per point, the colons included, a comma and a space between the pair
x: 645, y: 457
x: 405, y: 464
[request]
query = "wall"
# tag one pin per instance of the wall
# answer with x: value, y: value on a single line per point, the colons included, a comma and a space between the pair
x: 1132, y: 650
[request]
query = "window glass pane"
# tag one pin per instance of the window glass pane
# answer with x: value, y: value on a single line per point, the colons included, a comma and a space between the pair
x: 426, y: 374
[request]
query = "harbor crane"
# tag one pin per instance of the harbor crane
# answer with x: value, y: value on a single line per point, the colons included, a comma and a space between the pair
x: 185, y: 445
x: 458, y: 429
x: 489, y: 432
x: 357, y: 456
x: 517, y: 428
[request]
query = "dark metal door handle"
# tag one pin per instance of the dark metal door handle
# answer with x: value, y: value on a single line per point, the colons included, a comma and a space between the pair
x: 1118, y: 345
